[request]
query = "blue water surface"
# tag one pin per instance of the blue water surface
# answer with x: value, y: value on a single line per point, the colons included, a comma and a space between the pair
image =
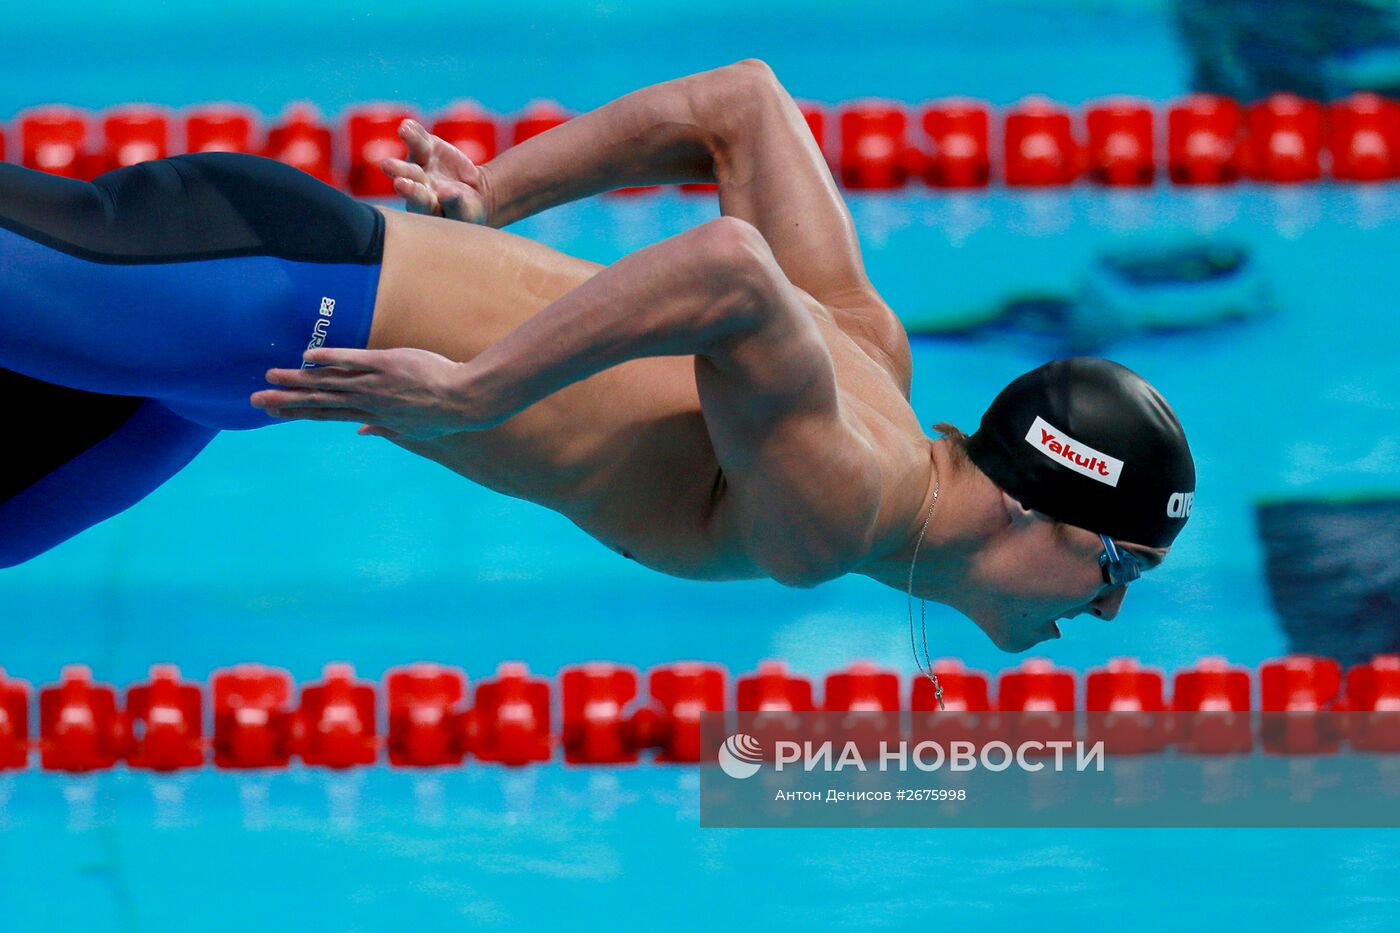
x: 303, y: 544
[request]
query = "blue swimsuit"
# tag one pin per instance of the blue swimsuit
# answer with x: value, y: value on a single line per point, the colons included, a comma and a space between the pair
x: 139, y: 311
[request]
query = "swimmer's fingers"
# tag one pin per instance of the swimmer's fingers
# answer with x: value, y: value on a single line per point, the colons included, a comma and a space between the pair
x: 398, y: 168
x: 268, y: 399
x: 323, y: 377
x: 319, y: 414
x: 412, y: 184
x: 438, y: 179
x: 418, y: 140
x: 420, y: 198
x: 377, y: 430
x: 441, y: 198
x: 346, y: 358
x: 436, y: 154
x: 322, y: 385
x: 456, y: 206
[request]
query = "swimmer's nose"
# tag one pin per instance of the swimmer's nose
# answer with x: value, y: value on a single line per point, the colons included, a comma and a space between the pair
x: 1106, y: 606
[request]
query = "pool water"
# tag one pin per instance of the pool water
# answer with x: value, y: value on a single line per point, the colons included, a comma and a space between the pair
x: 302, y: 544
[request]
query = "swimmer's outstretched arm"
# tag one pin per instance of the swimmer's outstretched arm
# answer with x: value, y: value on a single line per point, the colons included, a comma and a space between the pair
x: 735, y: 125
x: 665, y: 133
x: 803, y: 481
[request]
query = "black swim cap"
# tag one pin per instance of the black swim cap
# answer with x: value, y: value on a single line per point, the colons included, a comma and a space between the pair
x: 1089, y: 443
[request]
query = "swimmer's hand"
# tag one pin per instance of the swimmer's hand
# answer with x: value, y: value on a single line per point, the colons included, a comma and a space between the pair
x: 401, y: 394
x: 439, y: 179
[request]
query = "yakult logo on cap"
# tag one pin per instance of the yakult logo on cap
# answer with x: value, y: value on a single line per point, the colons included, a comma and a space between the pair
x: 1066, y: 451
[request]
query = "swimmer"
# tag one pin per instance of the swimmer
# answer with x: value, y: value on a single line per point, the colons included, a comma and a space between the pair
x: 730, y: 403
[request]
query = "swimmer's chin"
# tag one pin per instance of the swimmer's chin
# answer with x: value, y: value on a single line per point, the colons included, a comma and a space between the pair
x: 1020, y: 643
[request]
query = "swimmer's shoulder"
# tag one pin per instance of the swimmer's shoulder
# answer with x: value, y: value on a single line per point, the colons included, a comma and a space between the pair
x: 872, y: 325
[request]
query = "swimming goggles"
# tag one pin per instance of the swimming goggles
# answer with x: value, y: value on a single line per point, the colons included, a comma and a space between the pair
x: 1119, y: 567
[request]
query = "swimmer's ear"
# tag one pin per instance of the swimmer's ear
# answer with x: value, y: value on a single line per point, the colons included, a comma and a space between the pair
x: 1016, y: 512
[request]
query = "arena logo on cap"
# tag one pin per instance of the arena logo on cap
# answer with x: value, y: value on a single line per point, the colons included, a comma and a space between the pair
x: 1066, y: 451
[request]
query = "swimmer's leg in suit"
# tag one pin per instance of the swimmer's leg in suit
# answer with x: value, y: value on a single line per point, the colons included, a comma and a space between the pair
x: 74, y: 459
x: 183, y: 280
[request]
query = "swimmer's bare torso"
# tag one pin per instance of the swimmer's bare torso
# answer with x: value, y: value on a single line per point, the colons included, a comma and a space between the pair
x: 625, y: 453
x: 630, y: 453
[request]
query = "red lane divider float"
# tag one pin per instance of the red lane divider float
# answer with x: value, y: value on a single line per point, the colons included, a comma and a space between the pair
x: 597, y: 728
x: 1283, y: 140
x: 373, y: 136
x: 252, y: 717
x: 1126, y: 687
x: 879, y: 145
x: 220, y: 128
x: 14, y: 722
x: 1374, y: 690
x: 510, y: 722
x: 79, y: 726
x: 53, y: 139
x: 301, y: 139
x: 471, y: 129
x: 771, y: 689
x: 164, y: 720
x: 335, y: 721
x: 1300, y: 685
x: 134, y: 133
x: 427, y: 721
x: 680, y: 692
x: 1203, y: 141
x: 334, y: 725
x: 1363, y: 136
x: 1040, y: 149
x: 862, y: 688
x: 1120, y: 143
x: 1217, y: 694
x: 874, y: 149
x: 959, y: 152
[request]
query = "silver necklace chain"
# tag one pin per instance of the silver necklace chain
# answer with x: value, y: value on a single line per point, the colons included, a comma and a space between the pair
x: 927, y: 663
